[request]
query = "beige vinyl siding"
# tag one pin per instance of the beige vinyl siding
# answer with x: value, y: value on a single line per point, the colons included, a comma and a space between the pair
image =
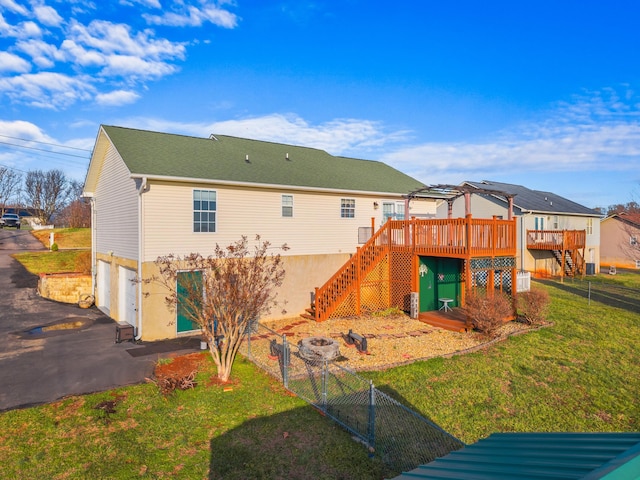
x: 316, y: 227
x: 116, y: 209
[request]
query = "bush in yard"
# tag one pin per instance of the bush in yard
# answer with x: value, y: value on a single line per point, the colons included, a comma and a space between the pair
x: 532, y: 306
x: 488, y: 312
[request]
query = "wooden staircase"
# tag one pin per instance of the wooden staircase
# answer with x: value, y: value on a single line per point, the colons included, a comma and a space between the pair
x: 326, y: 299
x: 571, y: 260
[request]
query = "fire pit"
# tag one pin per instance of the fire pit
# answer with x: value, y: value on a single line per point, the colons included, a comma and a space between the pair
x: 318, y: 349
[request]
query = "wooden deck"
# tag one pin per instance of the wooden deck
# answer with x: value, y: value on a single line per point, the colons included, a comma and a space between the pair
x: 454, y: 320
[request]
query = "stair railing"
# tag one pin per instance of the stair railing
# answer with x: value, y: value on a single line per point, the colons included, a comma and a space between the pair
x: 348, y: 277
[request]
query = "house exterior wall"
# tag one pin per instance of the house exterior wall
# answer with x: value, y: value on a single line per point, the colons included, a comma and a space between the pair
x: 303, y: 274
x: 616, y: 249
x: 115, y: 210
x: 316, y: 227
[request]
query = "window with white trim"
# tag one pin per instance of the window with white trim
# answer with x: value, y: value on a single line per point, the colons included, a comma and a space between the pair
x: 204, y: 210
x: 287, y: 205
x: 637, y: 263
x: 589, y: 226
x: 633, y: 240
x: 347, y: 207
x: 393, y: 211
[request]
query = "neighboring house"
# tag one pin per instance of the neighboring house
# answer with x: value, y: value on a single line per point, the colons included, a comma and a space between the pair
x: 620, y: 240
x: 555, y: 236
x: 154, y: 194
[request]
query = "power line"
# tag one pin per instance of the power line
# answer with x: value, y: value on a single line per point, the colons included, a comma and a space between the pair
x: 44, y: 150
x: 44, y: 143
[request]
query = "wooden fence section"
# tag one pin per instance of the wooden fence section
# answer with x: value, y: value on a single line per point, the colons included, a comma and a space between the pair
x: 463, y: 238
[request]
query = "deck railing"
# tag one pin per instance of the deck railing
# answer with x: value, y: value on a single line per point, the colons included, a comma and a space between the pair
x: 556, y: 239
x: 455, y: 238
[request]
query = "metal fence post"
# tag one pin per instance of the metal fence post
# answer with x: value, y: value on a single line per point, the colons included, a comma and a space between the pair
x: 325, y: 367
x: 285, y: 362
x: 372, y: 415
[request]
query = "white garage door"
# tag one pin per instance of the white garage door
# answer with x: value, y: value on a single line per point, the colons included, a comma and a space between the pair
x: 104, y: 286
x: 127, y: 295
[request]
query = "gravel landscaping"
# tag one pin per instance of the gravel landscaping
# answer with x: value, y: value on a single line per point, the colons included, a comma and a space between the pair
x: 391, y: 340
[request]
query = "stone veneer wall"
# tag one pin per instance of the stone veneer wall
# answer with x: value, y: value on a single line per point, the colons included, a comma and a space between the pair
x: 64, y: 287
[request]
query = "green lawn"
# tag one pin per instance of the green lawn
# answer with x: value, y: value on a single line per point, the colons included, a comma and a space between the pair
x: 73, y: 254
x: 578, y: 375
x: 76, y: 238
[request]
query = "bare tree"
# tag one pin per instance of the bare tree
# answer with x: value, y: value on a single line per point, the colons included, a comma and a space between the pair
x: 10, y: 181
x: 47, y: 192
x: 77, y: 214
x: 224, y: 293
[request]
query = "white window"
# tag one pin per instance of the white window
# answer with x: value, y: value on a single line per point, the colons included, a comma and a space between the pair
x: 556, y: 222
x: 348, y: 208
x: 204, y: 210
x: 637, y: 263
x: 633, y: 240
x: 393, y: 211
x: 589, y: 226
x: 287, y: 205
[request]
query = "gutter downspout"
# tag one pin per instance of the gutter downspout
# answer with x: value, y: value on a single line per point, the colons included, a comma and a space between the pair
x: 143, y: 188
x: 94, y: 273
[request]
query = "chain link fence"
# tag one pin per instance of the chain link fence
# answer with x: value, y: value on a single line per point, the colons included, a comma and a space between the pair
x: 402, y: 438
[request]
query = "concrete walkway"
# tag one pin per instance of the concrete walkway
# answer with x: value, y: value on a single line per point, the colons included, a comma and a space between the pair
x: 75, y: 353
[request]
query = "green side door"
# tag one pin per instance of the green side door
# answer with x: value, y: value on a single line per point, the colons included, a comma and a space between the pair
x: 188, y: 282
x: 427, y: 282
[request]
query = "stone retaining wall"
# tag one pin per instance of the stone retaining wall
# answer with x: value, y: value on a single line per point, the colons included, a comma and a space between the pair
x: 64, y: 287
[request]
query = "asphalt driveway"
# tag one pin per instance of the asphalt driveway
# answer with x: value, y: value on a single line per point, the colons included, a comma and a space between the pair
x: 42, y: 365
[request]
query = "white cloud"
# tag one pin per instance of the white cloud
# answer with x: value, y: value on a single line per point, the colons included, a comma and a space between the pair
x: 107, y: 37
x: 23, y: 129
x: 135, y: 68
x: 13, y: 63
x: 338, y: 137
x: 47, y: 89
x: 43, y: 54
x: 144, y: 3
x: 14, y: 7
x: 47, y: 15
x: 592, y: 132
x: 192, y: 16
x: 117, y: 98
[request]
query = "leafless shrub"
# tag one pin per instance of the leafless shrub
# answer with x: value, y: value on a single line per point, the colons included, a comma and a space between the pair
x: 532, y: 306
x: 488, y: 312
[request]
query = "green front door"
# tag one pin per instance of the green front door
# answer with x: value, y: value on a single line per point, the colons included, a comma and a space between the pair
x: 438, y: 278
x: 188, y: 282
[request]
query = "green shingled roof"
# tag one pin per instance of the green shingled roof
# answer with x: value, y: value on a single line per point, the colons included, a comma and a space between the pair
x: 224, y: 158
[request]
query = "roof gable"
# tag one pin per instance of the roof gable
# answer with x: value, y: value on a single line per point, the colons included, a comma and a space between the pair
x: 536, y: 200
x: 239, y: 160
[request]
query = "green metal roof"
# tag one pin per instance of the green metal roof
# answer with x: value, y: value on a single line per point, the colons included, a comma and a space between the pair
x: 233, y: 159
x: 537, y: 456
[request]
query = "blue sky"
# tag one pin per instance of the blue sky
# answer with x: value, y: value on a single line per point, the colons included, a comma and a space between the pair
x: 542, y: 94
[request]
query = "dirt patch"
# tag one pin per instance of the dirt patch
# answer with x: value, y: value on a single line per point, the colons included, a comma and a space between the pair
x: 181, y: 366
